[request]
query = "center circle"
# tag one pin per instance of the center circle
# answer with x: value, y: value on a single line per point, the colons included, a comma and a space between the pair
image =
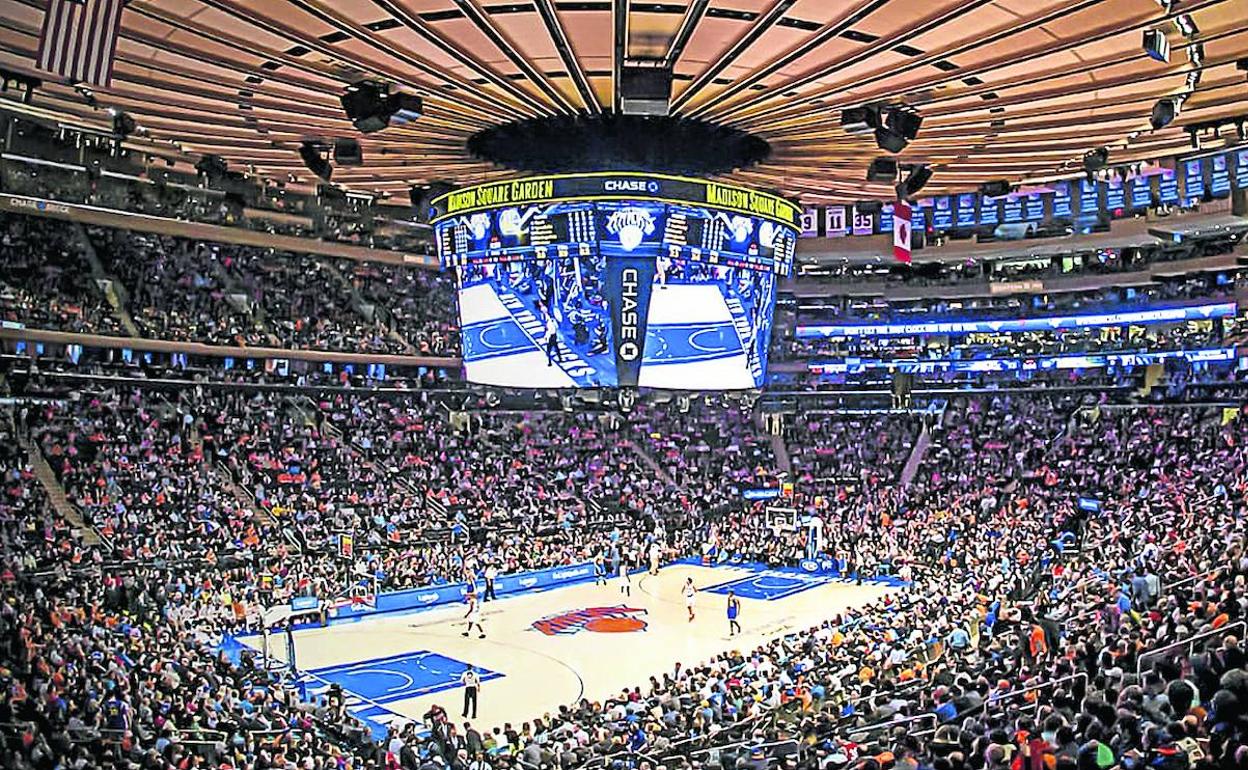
x: 615, y: 142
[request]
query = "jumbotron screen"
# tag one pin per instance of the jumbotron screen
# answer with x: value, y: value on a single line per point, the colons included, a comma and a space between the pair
x: 606, y: 280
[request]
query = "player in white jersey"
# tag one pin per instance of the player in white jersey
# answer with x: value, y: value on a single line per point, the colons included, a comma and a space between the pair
x: 626, y: 580
x: 689, y: 591
x: 656, y: 556
x: 473, y: 615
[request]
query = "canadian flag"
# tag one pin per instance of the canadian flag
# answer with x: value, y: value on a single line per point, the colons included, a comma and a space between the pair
x: 901, y: 231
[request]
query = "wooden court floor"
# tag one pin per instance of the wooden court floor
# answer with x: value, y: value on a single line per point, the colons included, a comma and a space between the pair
x: 543, y: 650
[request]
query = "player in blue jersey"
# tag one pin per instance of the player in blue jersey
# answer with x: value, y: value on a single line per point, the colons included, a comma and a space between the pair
x: 734, y: 609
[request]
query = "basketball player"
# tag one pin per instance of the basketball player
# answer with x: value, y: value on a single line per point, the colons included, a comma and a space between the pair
x: 656, y: 554
x: 734, y: 609
x: 473, y: 615
x: 600, y: 571
x: 689, y: 590
x: 626, y: 580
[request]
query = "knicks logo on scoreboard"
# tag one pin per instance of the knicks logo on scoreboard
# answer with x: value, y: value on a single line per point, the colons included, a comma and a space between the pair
x: 602, y: 620
x: 631, y: 225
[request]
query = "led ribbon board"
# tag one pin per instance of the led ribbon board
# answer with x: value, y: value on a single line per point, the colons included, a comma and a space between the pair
x: 1009, y: 326
x: 1036, y: 363
x: 622, y: 186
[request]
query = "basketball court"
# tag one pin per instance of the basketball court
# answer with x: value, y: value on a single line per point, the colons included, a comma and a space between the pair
x: 555, y: 647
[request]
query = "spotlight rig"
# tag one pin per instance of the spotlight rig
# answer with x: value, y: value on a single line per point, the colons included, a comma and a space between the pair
x: 894, y: 126
x: 371, y: 106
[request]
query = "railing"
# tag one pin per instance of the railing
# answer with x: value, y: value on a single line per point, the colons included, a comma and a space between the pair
x: 1192, y: 579
x: 751, y: 744
x: 735, y: 727
x: 1014, y: 694
x: 603, y: 759
x: 888, y: 725
x: 1188, y: 642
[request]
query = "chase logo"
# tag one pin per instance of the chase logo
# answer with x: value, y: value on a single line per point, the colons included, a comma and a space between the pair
x: 624, y: 185
x: 631, y: 186
x: 602, y: 620
x: 631, y: 225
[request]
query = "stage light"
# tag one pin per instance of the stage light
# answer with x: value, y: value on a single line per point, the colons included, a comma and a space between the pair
x: 1095, y: 160
x: 995, y: 189
x: 1163, y: 113
x: 212, y: 166
x: 422, y: 197
x: 123, y: 123
x: 889, y: 140
x: 347, y: 152
x: 645, y: 90
x: 371, y: 107
x: 896, y: 127
x: 861, y: 120
x: 904, y: 121
x: 882, y: 170
x: 311, y: 154
x: 914, y: 181
x: 1157, y: 45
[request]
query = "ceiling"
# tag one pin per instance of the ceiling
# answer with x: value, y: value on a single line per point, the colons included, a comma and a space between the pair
x: 1009, y: 89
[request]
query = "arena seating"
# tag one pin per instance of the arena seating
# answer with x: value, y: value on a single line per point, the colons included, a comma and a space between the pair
x: 220, y: 294
x: 46, y: 279
x: 1034, y: 634
x: 1022, y: 630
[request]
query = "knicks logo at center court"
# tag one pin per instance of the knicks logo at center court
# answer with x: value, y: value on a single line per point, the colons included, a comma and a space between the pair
x: 603, y: 620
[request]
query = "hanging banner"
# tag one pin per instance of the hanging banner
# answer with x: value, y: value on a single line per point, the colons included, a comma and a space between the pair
x: 834, y: 224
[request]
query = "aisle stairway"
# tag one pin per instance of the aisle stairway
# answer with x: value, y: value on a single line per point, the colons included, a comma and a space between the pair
x: 58, y: 498
x: 247, y: 502
x: 784, y: 463
x: 915, y: 461
x: 647, y: 459
x: 112, y: 289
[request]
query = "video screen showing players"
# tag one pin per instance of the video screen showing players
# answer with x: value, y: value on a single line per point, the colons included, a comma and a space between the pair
x: 537, y: 323
x: 708, y: 326
x: 616, y: 293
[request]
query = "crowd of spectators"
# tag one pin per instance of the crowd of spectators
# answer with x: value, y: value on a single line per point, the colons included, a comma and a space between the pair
x: 979, y: 269
x: 306, y: 305
x: 221, y: 294
x: 419, y: 302
x: 1019, y: 642
x: 45, y: 280
x: 175, y: 289
x: 1188, y: 335
x: 1202, y: 288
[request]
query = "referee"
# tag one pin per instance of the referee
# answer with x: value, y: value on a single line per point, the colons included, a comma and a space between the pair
x: 471, y: 683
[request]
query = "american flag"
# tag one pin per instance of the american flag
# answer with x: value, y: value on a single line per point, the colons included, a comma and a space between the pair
x: 79, y: 39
